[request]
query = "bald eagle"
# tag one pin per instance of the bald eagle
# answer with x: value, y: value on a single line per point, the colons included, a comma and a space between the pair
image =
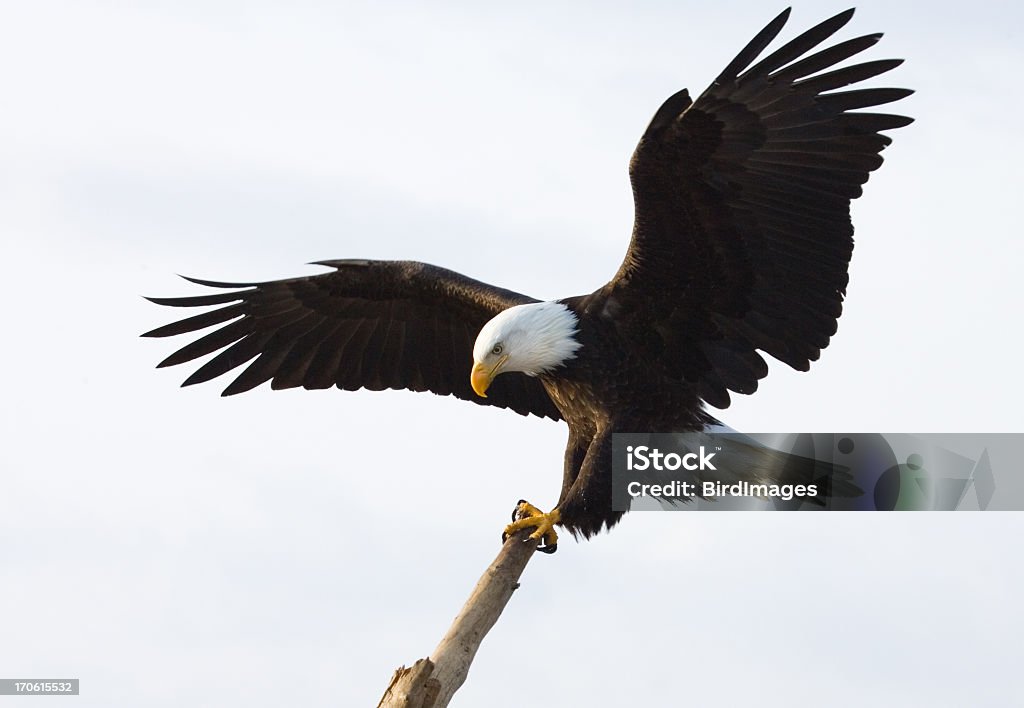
x: 740, y: 246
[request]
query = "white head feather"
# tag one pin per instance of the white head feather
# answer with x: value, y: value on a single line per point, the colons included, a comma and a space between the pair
x: 535, y: 338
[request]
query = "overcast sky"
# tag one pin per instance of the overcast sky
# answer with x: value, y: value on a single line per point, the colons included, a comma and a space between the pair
x: 169, y: 547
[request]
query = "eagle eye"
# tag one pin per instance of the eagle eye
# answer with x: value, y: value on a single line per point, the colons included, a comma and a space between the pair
x: 497, y: 350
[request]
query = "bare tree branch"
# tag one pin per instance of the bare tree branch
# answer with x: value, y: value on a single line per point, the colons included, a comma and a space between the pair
x: 431, y: 683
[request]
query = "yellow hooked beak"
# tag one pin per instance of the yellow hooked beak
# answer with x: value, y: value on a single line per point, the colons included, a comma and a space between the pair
x: 482, y: 377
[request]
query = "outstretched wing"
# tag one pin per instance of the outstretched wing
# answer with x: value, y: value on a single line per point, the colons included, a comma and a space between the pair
x: 742, y: 234
x: 366, y: 324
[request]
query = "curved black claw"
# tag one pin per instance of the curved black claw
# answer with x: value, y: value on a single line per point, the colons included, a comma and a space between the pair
x: 517, y: 508
x: 516, y: 516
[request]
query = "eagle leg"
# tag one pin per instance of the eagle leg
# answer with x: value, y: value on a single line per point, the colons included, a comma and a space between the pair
x: 526, y: 515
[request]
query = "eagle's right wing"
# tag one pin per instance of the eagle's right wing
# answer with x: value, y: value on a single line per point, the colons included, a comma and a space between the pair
x: 366, y: 324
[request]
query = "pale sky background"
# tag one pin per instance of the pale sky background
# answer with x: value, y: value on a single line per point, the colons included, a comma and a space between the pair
x: 169, y: 547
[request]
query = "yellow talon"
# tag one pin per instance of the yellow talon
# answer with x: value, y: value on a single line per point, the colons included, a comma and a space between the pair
x: 526, y: 515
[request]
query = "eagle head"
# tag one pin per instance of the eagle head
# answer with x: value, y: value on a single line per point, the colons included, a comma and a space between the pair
x: 533, y: 339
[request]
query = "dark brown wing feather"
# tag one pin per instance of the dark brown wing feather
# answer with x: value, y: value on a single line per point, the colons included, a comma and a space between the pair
x: 366, y: 324
x: 742, y: 234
